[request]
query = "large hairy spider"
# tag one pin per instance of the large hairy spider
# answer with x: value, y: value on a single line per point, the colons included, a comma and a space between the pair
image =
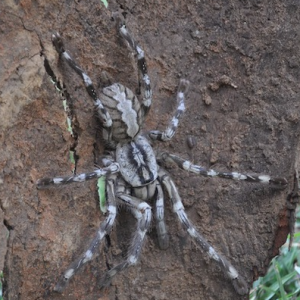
x: 133, y: 172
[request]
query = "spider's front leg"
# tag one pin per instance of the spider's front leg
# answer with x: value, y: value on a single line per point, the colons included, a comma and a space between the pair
x: 238, y: 281
x: 280, y: 182
x: 105, y: 228
x: 141, y: 62
x: 103, y: 114
x: 171, y: 129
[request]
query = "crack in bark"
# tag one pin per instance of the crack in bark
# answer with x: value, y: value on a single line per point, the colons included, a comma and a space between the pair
x: 72, y: 122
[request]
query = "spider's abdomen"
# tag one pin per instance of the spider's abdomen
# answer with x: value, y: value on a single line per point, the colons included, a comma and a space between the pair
x: 137, y: 162
x: 125, y: 111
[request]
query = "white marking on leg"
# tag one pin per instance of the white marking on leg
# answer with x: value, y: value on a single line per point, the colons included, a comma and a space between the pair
x: 212, y: 173
x: 233, y: 273
x: 66, y: 56
x: 147, y: 102
x: 132, y: 259
x: 160, y: 202
x: 112, y: 209
x: 100, y: 172
x: 101, y: 234
x: 69, y: 274
x: 99, y: 104
x: 140, y: 52
x: 186, y: 165
x: 192, y: 232
x: 146, y: 79
x: 175, y: 122
x: 57, y: 180
x: 87, y: 80
x: 238, y: 176
x: 177, y: 207
x: 137, y: 214
x: 264, y: 178
x: 87, y: 256
x: 213, y: 254
x: 80, y: 177
x: 143, y: 206
x: 142, y: 233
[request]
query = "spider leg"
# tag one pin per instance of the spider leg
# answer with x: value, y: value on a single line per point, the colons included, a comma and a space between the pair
x: 171, y: 129
x: 238, y: 281
x: 142, y: 212
x: 162, y: 234
x: 141, y: 62
x: 105, y: 228
x: 102, y: 112
x: 53, y: 181
x: 188, y: 166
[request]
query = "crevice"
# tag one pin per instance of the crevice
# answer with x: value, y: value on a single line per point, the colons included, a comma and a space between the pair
x: 8, y: 226
x: 71, y: 119
x: 107, y: 246
x: 4, y: 272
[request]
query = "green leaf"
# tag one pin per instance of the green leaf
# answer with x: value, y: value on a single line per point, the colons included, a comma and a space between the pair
x: 72, y: 157
x: 101, y: 194
x: 280, y: 281
x: 269, y: 293
x: 105, y: 3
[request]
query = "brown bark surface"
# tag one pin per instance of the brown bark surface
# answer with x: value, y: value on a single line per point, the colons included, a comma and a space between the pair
x: 242, y: 58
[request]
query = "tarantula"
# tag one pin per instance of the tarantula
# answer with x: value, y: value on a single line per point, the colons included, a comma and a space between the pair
x: 133, y: 171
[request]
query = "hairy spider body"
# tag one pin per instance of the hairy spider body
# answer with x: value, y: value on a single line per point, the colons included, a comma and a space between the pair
x: 133, y: 171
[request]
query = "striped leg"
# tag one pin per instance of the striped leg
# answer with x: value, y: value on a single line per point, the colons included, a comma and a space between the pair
x: 141, y: 62
x: 142, y: 212
x: 104, y: 229
x: 53, y: 181
x: 162, y: 234
x: 102, y: 112
x: 170, y: 130
x: 238, y: 282
x: 188, y: 166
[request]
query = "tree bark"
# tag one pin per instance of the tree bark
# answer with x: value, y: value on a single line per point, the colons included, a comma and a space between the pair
x: 242, y: 112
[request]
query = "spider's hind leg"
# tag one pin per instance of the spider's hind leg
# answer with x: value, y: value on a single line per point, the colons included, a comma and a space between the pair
x: 279, y: 182
x: 237, y: 280
x: 104, y: 229
x: 162, y: 234
x: 143, y: 214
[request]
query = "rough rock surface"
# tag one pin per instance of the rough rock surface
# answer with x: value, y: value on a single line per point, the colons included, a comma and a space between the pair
x: 242, y: 58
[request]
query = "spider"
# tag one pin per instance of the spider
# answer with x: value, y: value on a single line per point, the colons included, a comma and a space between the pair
x: 133, y: 173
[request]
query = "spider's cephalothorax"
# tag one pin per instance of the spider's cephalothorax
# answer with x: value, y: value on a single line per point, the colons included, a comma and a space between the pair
x: 133, y: 175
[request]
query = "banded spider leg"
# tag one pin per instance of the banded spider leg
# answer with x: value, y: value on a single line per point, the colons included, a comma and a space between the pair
x: 279, y: 182
x: 171, y: 129
x: 105, y: 228
x: 103, y: 114
x: 142, y: 212
x: 161, y: 229
x: 141, y: 62
x: 47, y: 182
x: 238, y: 281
